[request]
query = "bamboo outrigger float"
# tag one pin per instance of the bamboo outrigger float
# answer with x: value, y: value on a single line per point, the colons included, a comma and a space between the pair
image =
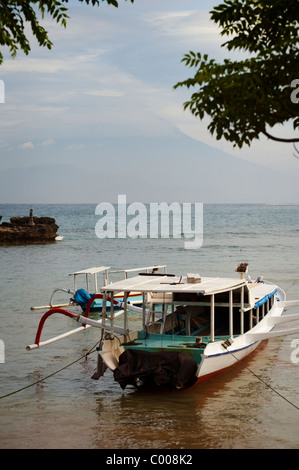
x: 192, y: 328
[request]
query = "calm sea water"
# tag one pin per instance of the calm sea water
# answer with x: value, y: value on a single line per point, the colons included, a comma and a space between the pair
x: 70, y: 410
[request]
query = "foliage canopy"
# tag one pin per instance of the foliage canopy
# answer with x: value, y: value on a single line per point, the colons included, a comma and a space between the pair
x: 244, y: 98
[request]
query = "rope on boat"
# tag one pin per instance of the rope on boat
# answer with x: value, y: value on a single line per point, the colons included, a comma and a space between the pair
x: 226, y: 344
x: 53, y: 373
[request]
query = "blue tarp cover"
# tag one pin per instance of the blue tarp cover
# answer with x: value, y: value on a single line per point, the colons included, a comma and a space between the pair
x: 82, y: 297
x: 264, y: 299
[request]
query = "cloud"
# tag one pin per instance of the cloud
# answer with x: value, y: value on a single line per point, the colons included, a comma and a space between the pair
x: 32, y: 65
x: 110, y: 77
x: 84, y: 87
x: 105, y: 92
x: 47, y: 143
x: 27, y: 145
x: 74, y: 146
x: 193, y: 26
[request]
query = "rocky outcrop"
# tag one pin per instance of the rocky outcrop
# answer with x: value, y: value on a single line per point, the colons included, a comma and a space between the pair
x: 28, y: 230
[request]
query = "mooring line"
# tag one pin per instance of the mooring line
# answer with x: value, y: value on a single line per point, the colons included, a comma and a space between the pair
x: 51, y: 375
x: 259, y: 378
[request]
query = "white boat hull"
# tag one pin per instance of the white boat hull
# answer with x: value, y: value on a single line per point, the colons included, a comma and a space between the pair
x: 218, y: 363
x: 217, y: 357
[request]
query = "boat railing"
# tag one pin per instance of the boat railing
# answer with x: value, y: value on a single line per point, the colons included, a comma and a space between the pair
x: 94, y: 287
x: 91, y: 272
x: 51, y: 303
x: 67, y: 291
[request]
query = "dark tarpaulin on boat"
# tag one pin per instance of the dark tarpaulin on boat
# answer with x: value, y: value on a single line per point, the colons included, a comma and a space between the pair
x: 169, y: 369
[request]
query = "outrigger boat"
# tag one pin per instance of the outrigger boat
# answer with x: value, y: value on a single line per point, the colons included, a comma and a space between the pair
x: 193, y: 327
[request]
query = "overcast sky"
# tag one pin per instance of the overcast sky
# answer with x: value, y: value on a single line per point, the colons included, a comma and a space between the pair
x: 97, y: 115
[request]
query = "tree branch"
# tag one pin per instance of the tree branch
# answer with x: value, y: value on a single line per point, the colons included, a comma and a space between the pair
x: 278, y: 139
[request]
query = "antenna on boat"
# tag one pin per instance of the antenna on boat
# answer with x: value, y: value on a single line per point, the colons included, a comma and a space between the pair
x: 242, y: 268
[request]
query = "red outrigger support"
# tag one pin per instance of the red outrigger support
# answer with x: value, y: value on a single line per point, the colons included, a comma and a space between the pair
x: 68, y: 314
x: 44, y: 318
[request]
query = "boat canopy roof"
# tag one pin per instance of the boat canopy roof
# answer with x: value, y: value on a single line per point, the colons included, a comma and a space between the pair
x: 175, y: 284
x: 91, y: 270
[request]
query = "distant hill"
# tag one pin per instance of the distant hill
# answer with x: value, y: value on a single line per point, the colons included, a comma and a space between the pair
x: 146, y: 169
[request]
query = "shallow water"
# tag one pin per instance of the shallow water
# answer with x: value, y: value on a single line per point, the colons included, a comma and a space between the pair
x: 70, y: 410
